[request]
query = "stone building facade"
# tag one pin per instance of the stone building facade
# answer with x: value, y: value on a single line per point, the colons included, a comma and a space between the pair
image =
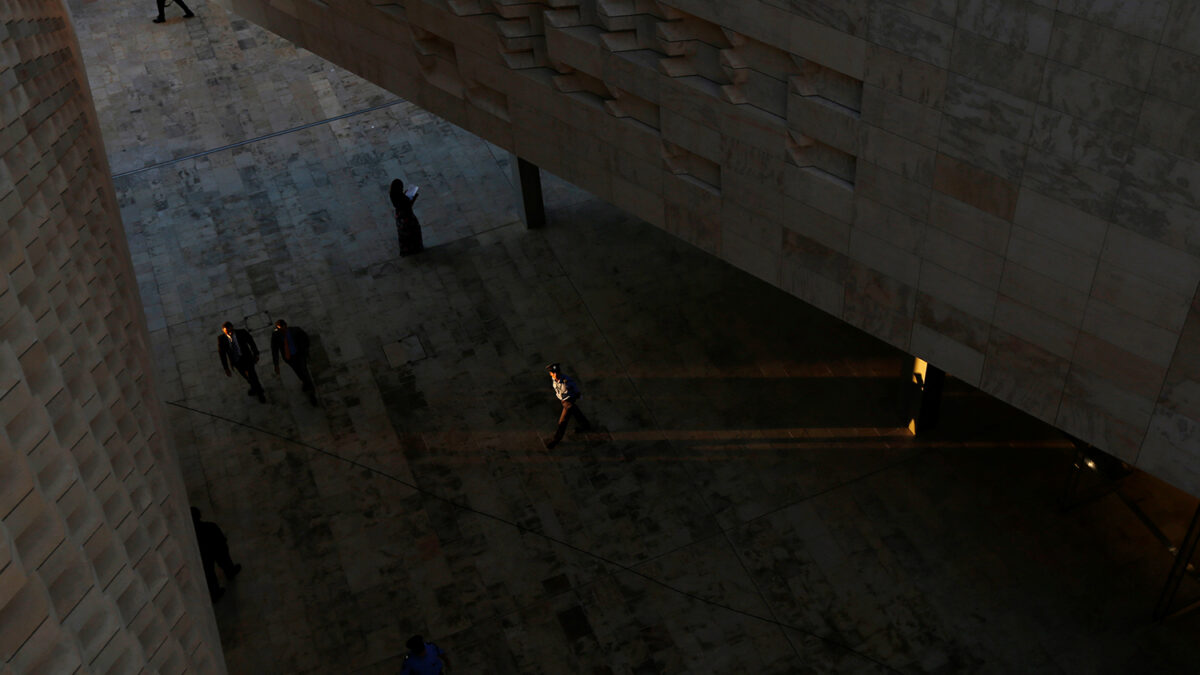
x: 1007, y: 189
x: 99, y: 570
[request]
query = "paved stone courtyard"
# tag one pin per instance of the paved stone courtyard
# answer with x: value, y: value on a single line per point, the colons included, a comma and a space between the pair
x: 749, y: 502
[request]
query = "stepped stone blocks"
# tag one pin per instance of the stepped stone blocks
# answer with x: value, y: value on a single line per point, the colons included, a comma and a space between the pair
x: 1008, y: 190
x: 99, y: 570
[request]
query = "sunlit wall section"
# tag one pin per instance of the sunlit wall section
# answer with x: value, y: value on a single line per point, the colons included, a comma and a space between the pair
x: 99, y: 570
x: 1009, y: 190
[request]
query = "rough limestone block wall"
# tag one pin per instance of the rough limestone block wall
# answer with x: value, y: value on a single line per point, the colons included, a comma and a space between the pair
x: 1007, y: 188
x: 99, y: 570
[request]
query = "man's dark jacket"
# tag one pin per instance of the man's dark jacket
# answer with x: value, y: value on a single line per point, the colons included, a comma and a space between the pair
x: 249, y: 349
x: 299, y: 341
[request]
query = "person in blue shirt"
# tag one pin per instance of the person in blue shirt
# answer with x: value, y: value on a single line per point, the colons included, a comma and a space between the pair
x: 424, y: 658
x: 568, y: 393
x: 292, y: 343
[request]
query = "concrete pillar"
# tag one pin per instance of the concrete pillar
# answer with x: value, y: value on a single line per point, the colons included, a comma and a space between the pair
x: 528, y: 178
x: 925, y: 401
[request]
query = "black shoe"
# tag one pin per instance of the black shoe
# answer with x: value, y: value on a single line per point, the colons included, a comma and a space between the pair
x: 189, y: 15
x: 159, y: 20
x: 549, y: 444
x: 234, y: 571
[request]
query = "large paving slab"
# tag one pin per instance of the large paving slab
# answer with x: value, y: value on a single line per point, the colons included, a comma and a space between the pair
x: 749, y: 503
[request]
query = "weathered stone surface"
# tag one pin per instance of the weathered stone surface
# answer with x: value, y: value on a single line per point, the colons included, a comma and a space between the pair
x: 90, y: 489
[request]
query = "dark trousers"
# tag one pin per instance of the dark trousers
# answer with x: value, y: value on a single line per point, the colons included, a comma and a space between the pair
x: 247, y: 371
x: 409, y: 230
x: 210, y: 559
x: 162, y: 5
x: 570, y: 409
x: 300, y: 367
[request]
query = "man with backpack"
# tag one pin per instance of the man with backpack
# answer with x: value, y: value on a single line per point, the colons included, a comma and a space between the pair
x: 568, y: 393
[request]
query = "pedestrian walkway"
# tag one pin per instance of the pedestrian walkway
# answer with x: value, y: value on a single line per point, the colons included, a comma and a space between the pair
x: 748, y: 503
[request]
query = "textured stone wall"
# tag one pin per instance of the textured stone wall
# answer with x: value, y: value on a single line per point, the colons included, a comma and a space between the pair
x: 1007, y: 188
x: 99, y: 570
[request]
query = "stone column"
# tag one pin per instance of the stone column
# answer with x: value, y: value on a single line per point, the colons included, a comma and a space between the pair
x: 925, y: 401
x: 528, y: 178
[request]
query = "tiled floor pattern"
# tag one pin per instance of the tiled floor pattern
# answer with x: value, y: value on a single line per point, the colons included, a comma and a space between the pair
x: 748, y: 505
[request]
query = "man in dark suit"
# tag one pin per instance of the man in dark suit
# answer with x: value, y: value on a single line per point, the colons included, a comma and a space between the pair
x: 292, y: 343
x: 237, y: 350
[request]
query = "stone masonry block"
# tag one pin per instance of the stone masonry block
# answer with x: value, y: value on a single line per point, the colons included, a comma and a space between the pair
x: 962, y: 257
x: 832, y: 48
x: 55, y: 468
x: 968, y: 223
x: 66, y: 576
x: 1051, y: 259
x: 1130, y: 333
x: 1029, y: 377
x: 1128, y: 373
x: 896, y: 154
x: 120, y: 656
x: 81, y: 511
x: 817, y: 190
x: 899, y: 230
x: 1183, y: 27
x: 1065, y: 136
x: 150, y: 629
x: 1140, y: 297
x: 825, y: 294
x: 35, y: 528
x: 1167, y: 267
x: 760, y: 261
x: 1145, y: 19
x: 898, y: 115
x: 816, y: 225
x: 983, y: 190
x: 1043, y: 293
x: 1091, y: 98
x: 48, y: 650
x: 1078, y: 416
x: 27, y: 608
x: 884, y: 257
x: 1078, y: 186
x: 1107, y: 52
x: 636, y: 198
x: 957, y: 291
x: 1035, y: 328
x: 990, y: 151
x: 754, y: 195
x: 1063, y: 223
x: 820, y: 118
x: 752, y: 226
x: 909, y: 33
x: 998, y: 65
x: 106, y: 555
x: 892, y: 190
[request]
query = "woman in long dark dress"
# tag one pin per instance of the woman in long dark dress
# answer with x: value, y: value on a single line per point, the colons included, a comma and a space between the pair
x: 407, y: 226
